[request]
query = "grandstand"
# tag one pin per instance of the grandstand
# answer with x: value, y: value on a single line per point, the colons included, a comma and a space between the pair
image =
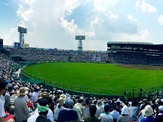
x: 43, y: 55
x: 135, y: 53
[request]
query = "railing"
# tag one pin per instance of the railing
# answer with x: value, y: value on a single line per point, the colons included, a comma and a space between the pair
x: 70, y: 88
x: 126, y: 93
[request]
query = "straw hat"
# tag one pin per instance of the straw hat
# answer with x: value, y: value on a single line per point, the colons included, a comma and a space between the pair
x: 63, y: 96
x: 44, y: 95
x: 22, y: 91
x: 61, y: 101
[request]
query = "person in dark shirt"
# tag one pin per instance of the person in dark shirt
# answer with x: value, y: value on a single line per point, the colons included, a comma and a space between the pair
x: 68, y: 114
x: 92, y: 117
x: 159, y: 117
x: 43, y: 110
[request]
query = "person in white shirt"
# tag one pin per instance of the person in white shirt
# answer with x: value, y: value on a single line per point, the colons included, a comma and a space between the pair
x: 3, y: 87
x: 58, y: 108
x: 100, y: 108
x: 35, y: 114
x: 35, y: 95
x: 115, y: 114
x: 85, y: 109
x: 106, y: 117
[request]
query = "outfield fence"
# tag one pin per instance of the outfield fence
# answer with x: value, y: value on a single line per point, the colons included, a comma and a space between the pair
x: 67, y: 87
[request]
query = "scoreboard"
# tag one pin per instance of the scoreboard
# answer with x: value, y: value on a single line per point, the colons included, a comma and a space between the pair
x: 79, y: 37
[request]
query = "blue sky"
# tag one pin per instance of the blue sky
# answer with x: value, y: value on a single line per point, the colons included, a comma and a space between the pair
x: 55, y: 23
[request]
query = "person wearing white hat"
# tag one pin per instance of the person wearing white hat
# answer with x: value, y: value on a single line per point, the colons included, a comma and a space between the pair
x: 159, y: 117
x: 148, y: 114
x: 125, y: 115
x: 68, y: 114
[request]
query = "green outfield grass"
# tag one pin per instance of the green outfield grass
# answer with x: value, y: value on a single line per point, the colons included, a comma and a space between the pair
x: 96, y: 78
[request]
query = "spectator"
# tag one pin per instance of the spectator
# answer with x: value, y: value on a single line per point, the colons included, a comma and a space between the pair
x: 35, y: 95
x: 106, y: 117
x: 7, y: 98
x: 78, y: 108
x: 3, y: 86
x: 86, y: 110
x: 43, y: 111
x: 100, y: 108
x: 92, y: 117
x: 148, y: 114
x: 134, y: 110
x: 115, y: 114
x: 159, y: 117
x: 68, y: 114
x: 125, y: 117
x: 50, y: 114
x: 58, y: 108
x: 35, y: 114
x: 21, y: 108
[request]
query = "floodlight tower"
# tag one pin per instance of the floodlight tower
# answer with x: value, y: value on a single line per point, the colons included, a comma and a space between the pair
x: 80, y: 38
x: 21, y: 31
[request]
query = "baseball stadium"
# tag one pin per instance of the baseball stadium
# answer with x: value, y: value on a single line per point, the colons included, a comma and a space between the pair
x: 126, y: 74
x: 125, y: 69
x: 81, y: 61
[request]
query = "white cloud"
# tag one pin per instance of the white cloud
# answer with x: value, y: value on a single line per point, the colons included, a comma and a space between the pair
x: 160, y: 20
x: 25, y: 14
x: 69, y: 26
x: 105, y: 25
x: 54, y: 24
x: 104, y: 5
x: 11, y: 36
x: 142, y: 36
x: 130, y: 17
x: 145, y: 7
x: 95, y: 45
x: 113, y: 16
x: 70, y: 5
x: 46, y: 25
x: 107, y: 22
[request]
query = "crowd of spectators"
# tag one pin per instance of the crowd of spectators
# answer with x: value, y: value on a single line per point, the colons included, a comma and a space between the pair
x: 25, y: 102
x: 33, y: 103
x: 136, y: 58
x: 37, y: 54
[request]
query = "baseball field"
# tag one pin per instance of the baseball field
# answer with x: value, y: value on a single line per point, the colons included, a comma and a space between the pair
x: 98, y: 78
